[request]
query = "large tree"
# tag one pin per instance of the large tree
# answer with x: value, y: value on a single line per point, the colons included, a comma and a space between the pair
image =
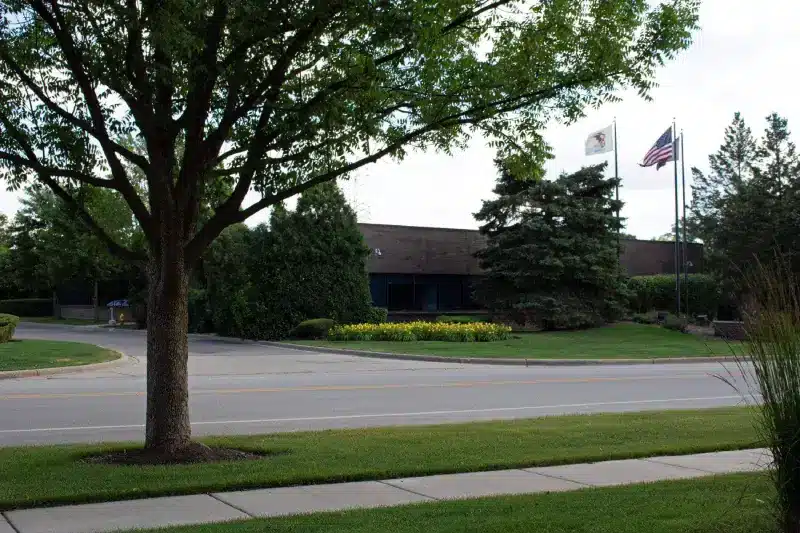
x: 552, y: 254
x: 747, y: 205
x: 281, y: 96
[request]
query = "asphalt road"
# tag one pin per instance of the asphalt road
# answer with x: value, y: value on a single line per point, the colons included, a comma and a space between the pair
x: 245, y: 388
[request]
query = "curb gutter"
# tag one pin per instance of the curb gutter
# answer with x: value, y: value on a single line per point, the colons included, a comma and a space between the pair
x: 14, y: 374
x: 499, y: 360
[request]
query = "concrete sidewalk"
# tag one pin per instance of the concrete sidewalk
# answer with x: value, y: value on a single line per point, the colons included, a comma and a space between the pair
x: 225, y: 506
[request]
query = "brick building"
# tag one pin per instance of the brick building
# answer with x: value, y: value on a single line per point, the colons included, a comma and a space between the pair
x: 432, y: 269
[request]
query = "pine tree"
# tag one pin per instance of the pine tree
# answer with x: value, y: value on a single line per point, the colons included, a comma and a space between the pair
x: 552, y: 254
x: 731, y: 167
x: 747, y: 206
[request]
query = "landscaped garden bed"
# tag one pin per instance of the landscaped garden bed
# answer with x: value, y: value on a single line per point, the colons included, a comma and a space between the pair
x: 617, y: 341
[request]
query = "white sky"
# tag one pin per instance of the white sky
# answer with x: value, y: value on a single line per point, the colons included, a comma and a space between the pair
x: 742, y: 60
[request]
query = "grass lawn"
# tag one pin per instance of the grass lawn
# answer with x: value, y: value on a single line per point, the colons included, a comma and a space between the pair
x: 33, y: 354
x: 738, y: 503
x: 618, y: 341
x: 54, y: 320
x: 33, y: 476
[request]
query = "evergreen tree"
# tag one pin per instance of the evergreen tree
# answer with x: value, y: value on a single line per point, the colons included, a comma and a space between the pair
x: 552, y: 255
x: 731, y: 167
x: 747, y: 206
x: 307, y: 263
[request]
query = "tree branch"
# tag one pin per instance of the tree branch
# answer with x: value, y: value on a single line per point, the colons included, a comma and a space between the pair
x: 57, y: 24
x: 225, y: 217
x: 58, y: 172
x: 113, y: 246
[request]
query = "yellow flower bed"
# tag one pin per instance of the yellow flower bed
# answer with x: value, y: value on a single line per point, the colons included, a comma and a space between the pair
x: 420, y: 331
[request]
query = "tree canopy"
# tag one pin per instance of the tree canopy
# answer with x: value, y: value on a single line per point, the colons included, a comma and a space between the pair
x: 746, y: 206
x: 552, y: 253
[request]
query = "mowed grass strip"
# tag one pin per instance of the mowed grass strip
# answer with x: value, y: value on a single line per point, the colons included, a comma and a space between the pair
x: 738, y: 503
x: 49, y: 475
x: 617, y: 341
x: 35, y: 354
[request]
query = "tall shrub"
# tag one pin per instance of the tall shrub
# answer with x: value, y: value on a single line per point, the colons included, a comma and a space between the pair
x: 306, y: 264
x: 658, y: 292
x: 771, y: 314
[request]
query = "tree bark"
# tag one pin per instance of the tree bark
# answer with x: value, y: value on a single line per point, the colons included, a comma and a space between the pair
x: 168, y: 431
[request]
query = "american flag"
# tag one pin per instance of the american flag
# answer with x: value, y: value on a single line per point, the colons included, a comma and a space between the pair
x: 661, y: 152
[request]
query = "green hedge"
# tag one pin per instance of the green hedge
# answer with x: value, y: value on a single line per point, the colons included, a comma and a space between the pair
x: 461, y: 319
x: 27, y: 307
x: 316, y: 328
x: 377, y: 315
x: 8, y: 324
x: 658, y: 292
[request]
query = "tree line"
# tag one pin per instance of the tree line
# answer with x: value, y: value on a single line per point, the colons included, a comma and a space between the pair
x: 746, y: 207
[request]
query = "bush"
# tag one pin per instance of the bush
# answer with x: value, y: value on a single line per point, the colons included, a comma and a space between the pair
x: 658, y: 292
x: 420, y: 331
x: 27, y: 307
x: 377, y: 315
x: 8, y: 324
x: 316, y: 328
x: 675, y: 323
x: 646, y: 318
x: 460, y: 319
x: 200, y: 320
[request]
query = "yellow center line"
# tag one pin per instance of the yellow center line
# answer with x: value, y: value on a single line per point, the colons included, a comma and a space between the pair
x: 333, y: 388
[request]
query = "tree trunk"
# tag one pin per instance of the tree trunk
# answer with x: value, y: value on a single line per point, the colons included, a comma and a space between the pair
x: 168, y: 431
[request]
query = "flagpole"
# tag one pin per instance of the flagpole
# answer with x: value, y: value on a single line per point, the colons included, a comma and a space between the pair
x: 685, y: 240
x: 616, y: 178
x: 677, y: 229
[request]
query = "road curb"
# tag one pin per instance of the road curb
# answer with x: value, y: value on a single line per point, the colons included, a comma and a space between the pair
x: 15, y: 374
x: 501, y: 361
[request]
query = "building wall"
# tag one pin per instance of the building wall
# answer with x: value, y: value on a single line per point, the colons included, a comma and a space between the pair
x: 433, y: 269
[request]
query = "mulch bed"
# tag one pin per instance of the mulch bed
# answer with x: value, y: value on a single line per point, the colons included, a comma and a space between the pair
x: 193, y: 454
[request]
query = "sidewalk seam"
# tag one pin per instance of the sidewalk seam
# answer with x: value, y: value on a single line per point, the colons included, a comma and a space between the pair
x: 653, y: 460
x: 551, y: 476
x: 5, y: 517
x: 231, y: 505
x: 415, y: 493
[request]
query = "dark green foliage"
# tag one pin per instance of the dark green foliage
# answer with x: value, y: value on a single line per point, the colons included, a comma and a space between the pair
x: 552, y: 254
x: 315, y: 328
x: 460, y: 319
x: 658, y: 292
x: 8, y: 324
x: 27, y: 307
x: 748, y: 204
x: 646, y: 318
x: 200, y: 320
x: 377, y: 315
x: 308, y: 263
x: 675, y: 323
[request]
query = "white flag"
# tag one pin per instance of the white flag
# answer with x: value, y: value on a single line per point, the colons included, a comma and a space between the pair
x: 600, y: 141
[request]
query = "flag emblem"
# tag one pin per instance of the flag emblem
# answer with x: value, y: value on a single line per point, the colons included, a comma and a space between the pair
x: 661, y: 152
x: 600, y: 141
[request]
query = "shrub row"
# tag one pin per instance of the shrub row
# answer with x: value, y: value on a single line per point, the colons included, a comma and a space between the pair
x: 670, y: 321
x: 27, y: 307
x: 461, y: 319
x: 316, y: 328
x: 8, y: 324
x: 420, y: 331
x: 658, y: 292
